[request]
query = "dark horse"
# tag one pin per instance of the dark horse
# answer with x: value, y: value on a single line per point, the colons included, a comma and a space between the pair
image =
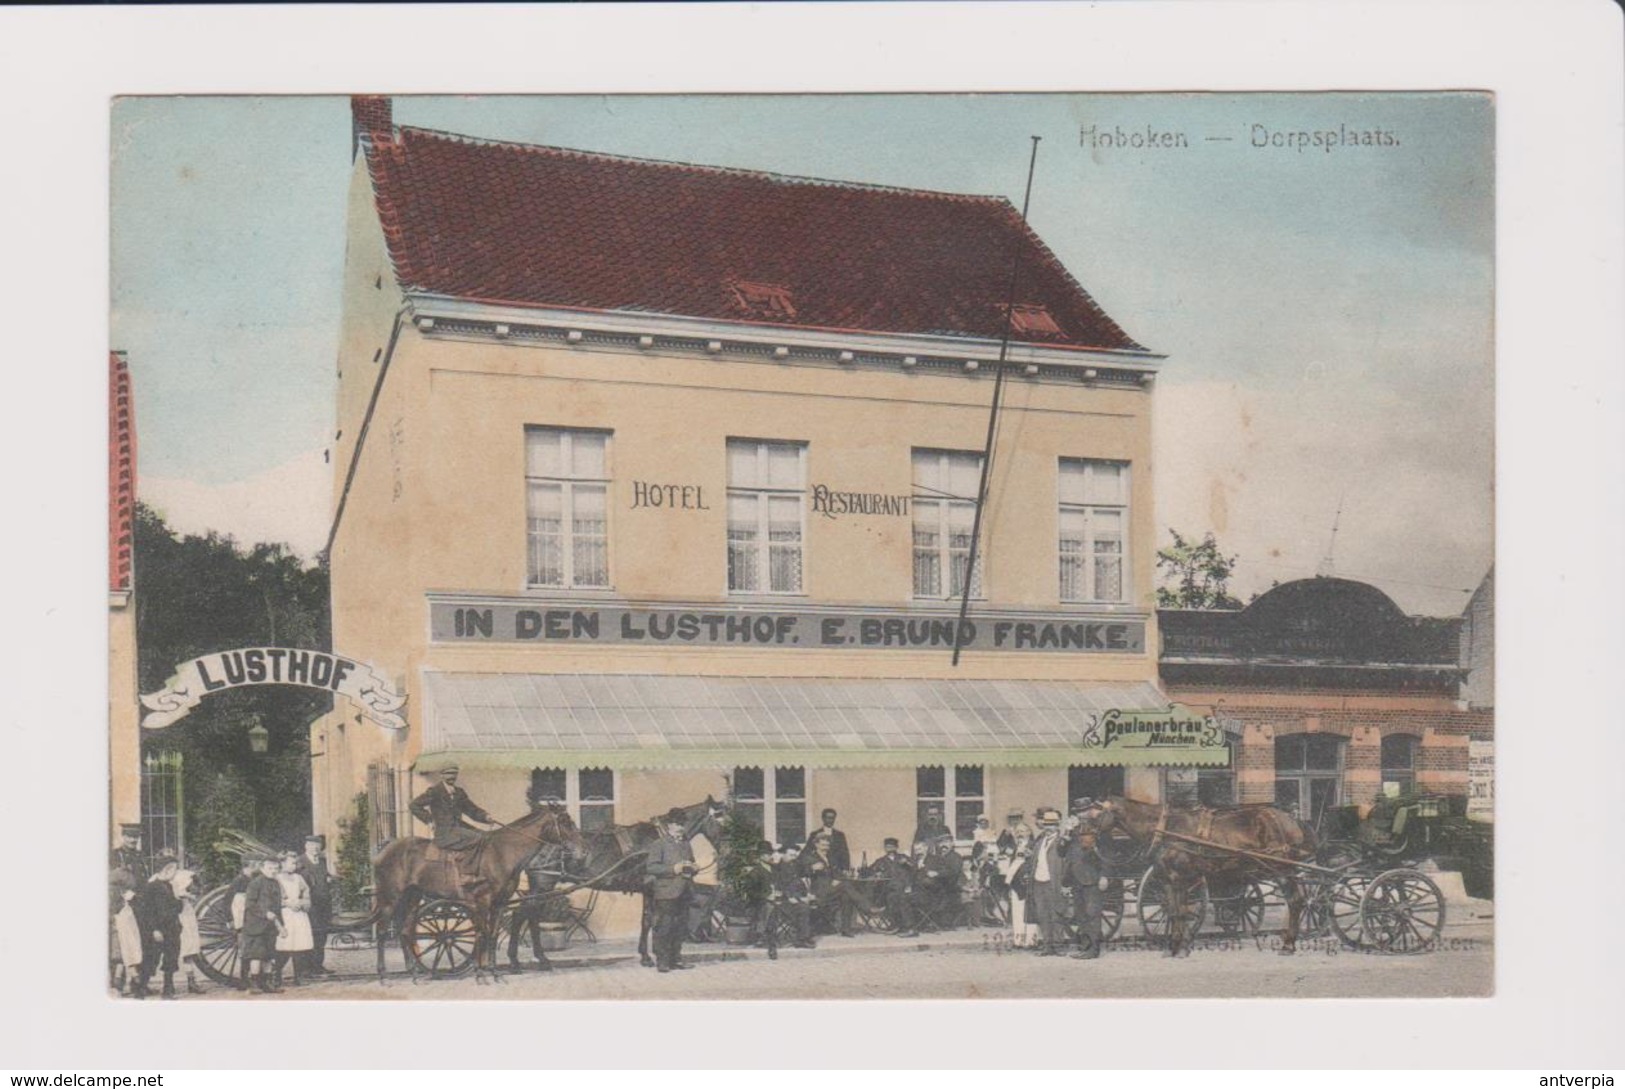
x: 1247, y: 841
x: 409, y: 869
x: 617, y: 853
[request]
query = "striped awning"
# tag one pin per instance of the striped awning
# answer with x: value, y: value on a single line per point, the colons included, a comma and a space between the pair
x: 648, y: 721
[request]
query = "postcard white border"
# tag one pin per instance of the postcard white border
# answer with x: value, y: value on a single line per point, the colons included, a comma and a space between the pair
x: 1556, y: 71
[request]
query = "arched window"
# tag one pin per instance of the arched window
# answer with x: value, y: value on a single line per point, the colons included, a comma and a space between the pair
x: 1399, y: 763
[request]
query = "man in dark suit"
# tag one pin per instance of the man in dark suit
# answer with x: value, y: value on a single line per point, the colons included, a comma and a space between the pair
x: 839, y: 854
x: 833, y: 898
x: 940, y: 875
x: 669, y: 866
x: 312, y: 867
x: 1087, y: 878
x: 1042, y: 875
x: 933, y: 830
x: 158, y: 913
x: 446, y: 807
x: 896, y: 870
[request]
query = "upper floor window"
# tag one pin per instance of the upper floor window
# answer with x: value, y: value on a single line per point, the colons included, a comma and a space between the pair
x: 1094, y: 530
x: 767, y: 485
x: 945, y: 487
x: 567, y: 480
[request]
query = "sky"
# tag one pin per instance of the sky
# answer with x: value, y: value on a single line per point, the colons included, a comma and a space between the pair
x: 1325, y: 307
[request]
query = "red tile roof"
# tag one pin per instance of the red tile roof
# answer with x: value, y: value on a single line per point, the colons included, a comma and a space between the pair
x: 120, y: 473
x: 527, y: 225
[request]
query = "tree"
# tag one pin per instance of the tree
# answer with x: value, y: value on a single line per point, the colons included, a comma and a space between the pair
x: 195, y: 595
x: 1198, y: 574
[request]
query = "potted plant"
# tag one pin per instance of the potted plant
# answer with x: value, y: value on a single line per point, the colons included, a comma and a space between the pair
x: 743, y: 884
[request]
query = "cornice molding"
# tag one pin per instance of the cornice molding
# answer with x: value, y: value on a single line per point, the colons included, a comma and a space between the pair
x: 623, y: 331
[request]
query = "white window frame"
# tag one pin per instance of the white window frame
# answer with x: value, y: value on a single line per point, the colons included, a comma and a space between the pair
x: 1090, y: 512
x: 770, y: 800
x: 943, y: 504
x: 567, y: 485
x: 951, y: 796
x: 573, y: 800
x: 762, y: 495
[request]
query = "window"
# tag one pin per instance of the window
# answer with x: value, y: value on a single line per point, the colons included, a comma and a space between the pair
x: 763, y: 300
x: 773, y: 798
x: 1399, y: 764
x: 1094, y: 530
x: 945, y: 489
x: 766, y: 487
x: 1308, y: 774
x: 384, y: 792
x: 589, y: 794
x: 163, y: 827
x: 566, y: 479
x: 958, y: 791
x: 1032, y: 319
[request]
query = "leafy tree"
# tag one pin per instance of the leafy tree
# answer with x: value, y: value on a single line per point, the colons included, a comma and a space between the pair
x: 200, y: 594
x: 354, y: 856
x: 1197, y: 572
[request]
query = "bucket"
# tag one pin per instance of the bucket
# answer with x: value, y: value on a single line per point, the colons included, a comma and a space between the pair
x: 736, y: 934
x: 554, y: 937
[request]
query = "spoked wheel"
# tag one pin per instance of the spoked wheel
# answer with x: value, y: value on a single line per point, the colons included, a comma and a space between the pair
x: 441, y: 937
x: 1343, y: 907
x: 1111, y: 910
x: 217, y: 941
x: 1154, y: 918
x: 1402, y: 911
x: 1239, y: 911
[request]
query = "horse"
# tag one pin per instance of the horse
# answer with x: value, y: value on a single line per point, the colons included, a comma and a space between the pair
x: 616, y: 852
x: 1247, y: 839
x: 404, y: 872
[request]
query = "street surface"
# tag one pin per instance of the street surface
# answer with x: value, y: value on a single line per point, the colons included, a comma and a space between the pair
x: 960, y: 964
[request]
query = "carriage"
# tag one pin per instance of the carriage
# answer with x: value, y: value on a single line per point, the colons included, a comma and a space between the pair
x: 1365, y: 884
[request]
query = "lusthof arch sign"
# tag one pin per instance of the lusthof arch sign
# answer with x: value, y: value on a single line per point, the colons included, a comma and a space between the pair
x: 249, y: 666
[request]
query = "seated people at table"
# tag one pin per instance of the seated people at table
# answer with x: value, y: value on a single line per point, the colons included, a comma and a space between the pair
x: 833, y: 904
x: 895, y: 873
x: 940, y: 876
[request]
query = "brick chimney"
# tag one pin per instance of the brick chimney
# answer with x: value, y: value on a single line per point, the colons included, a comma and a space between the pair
x: 369, y: 114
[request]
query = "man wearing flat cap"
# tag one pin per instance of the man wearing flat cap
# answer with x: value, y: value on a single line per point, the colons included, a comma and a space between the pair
x: 312, y: 866
x: 446, y: 807
x: 669, y: 866
x: 158, y: 912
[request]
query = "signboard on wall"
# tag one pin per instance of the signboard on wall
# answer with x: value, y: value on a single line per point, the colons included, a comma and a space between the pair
x: 297, y: 666
x: 1176, y: 733
x: 1481, y: 780
x: 530, y: 621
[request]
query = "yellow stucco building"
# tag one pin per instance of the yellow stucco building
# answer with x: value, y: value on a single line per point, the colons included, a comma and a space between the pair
x: 657, y: 481
x: 123, y: 699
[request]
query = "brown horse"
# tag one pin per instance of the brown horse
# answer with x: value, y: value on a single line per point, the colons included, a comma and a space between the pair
x: 409, y: 869
x: 1248, y: 841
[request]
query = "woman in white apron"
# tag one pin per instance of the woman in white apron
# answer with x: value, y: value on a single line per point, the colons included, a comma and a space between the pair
x: 191, y: 941
x: 296, y: 940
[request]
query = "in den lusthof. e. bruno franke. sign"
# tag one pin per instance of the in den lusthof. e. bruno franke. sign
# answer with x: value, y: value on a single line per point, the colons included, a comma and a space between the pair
x: 526, y: 621
x: 211, y: 673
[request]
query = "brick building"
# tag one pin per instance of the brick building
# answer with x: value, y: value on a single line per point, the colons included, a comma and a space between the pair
x: 1331, y: 695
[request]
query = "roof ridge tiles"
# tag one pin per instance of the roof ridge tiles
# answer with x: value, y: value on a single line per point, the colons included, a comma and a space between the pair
x: 707, y: 168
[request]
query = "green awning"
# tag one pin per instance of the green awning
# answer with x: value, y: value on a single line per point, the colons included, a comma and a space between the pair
x: 638, y: 721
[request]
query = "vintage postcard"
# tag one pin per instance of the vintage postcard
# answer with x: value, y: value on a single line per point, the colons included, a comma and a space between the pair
x: 802, y: 546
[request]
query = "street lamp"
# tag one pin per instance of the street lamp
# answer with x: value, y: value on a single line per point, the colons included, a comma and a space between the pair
x: 259, y: 739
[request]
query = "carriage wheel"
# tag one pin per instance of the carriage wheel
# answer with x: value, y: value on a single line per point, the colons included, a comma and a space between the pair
x: 217, y: 941
x: 1111, y: 909
x: 1343, y: 907
x: 1402, y: 911
x: 1154, y: 918
x: 1240, y: 914
x: 441, y: 937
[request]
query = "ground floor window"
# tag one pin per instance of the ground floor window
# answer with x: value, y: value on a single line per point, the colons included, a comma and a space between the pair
x: 1399, y: 764
x: 163, y: 824
x: 960, y: 791
x: 1309, y: 774
x: 384, y: 801
x: 588, y: 794
x: 773, y: 798
x: 1096, y: 783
